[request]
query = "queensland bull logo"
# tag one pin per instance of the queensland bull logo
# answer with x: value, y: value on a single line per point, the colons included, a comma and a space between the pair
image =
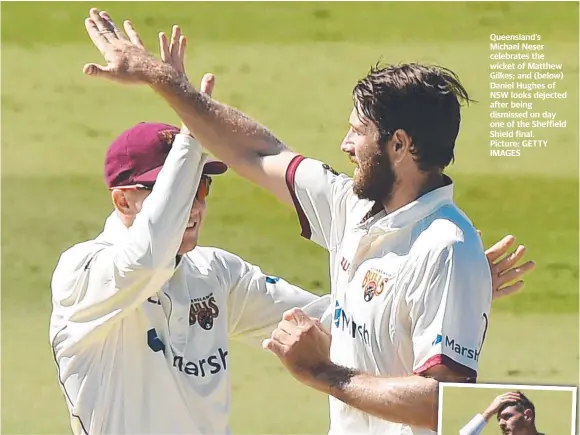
x: 373, y: 284
x: 202, y: 311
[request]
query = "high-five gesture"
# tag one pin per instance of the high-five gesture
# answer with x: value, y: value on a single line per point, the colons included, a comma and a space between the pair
x: 127, y: 60
x: 173, y: 53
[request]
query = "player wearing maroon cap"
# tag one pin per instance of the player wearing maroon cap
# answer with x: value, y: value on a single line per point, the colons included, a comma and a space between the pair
x: 141, y: 314
x: 116, y: 379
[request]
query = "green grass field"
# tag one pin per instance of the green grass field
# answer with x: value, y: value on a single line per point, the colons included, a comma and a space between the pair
x: 553, y: 408
x: 292, y: 66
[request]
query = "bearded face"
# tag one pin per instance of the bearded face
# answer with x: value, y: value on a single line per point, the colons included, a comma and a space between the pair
x: 374, y: 175
x: 513, y: 421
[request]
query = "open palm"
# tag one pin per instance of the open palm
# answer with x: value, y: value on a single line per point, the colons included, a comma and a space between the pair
x: 128, y: 62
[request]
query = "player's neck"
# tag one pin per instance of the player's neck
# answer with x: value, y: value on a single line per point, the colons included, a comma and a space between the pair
x: 412, y: 188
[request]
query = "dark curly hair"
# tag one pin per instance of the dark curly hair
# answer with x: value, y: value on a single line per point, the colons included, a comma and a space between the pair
x: 521, y: 405
x: 422, y: 100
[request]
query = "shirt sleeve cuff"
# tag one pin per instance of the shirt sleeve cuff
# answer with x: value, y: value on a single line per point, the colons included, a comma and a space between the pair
x: 475, y: 426
x: 440, y: 359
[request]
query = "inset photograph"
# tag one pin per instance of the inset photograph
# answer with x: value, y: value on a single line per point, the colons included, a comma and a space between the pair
x: 494, y: 409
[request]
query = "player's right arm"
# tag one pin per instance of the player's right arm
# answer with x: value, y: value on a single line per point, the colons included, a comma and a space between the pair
x: 255, y: 153
x: 246, y: 146
x: 250, y: 148
x: 317, y: 193
x: 96, y: 284
x: 475, y: 426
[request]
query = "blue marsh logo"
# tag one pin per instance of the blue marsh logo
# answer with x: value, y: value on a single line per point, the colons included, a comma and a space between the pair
x: 455, y: 346
x: 346, y: 323
x: 210, y: 365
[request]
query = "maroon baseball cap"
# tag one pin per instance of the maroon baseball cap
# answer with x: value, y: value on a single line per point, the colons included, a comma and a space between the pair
x: 138, y: 154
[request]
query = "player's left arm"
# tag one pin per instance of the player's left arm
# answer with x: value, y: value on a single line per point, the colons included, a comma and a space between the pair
x: 302, y: 346
x: 411, y: 400
x: 448, y: 305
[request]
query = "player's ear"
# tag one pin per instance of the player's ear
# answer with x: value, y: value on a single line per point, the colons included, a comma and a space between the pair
x: 400, y: 145
x: 122, y: 202
x: 528, y: 415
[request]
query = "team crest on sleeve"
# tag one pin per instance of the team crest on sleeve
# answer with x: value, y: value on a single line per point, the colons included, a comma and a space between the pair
x: 373, y: 284
x: 203, y: 311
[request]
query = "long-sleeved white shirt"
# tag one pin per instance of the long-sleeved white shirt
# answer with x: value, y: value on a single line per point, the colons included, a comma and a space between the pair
x: 411, y: 289
x: 140, y: 343
x: 475, y: 426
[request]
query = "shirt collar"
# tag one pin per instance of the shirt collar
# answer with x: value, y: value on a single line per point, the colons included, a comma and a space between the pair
x: 412, y: 212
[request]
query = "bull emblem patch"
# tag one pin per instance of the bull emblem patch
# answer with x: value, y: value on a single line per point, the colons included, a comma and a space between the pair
x: 203, y: 311
x: 373, y: 284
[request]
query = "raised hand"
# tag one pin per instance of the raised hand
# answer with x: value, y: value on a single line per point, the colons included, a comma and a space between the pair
x: 172, y: 52
x: 128, y: 61
x: 498, y: 402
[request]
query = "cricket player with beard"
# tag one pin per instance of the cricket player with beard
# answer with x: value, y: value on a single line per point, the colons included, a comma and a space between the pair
x: 411, y: 285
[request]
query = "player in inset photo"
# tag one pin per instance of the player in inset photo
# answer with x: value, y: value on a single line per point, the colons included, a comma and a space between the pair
x: 514, y: 412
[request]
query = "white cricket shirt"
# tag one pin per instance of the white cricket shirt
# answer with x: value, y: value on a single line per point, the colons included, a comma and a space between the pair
x: 141, y: 345
x: 475, y: 426
x: 410, y: 290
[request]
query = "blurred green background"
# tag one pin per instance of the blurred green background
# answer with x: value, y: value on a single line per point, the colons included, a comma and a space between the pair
x: 292, y: 66
x: 553, y: 408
